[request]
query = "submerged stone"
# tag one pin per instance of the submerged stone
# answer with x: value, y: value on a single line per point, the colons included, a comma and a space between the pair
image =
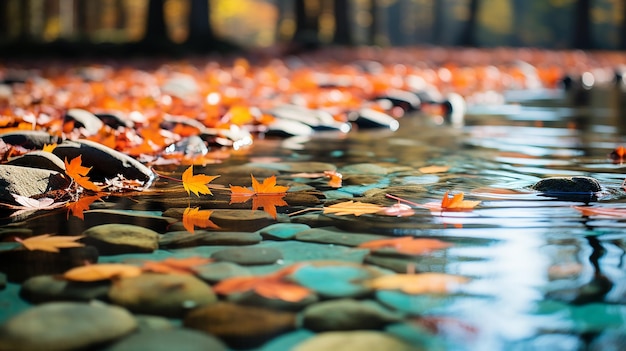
x: 46, y: 288
x: 170, y: 295
x: 60, y: 326
x: 578, y: 184
x: 111, y: 239
x: 347, y: 314
x: 283, y: 231
x: 240, y: 326
x: 249, y: 256
x: 355, y: 340
x: 335, y: 236
x: 167, y: 340
x: 199, y: 238
x: 218, y: 271
x: 241, y: 220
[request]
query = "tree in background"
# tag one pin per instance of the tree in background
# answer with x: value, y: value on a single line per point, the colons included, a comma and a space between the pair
x: 307, y: 24
x: 519, y: 25
x: 374, y: 20
x: 201, y: 35
x: 622, y: 38
x: 343, y: 33
x: 468, y: 35
x: 582, y: 25
x: 438, y: 22
x: 156, y: 36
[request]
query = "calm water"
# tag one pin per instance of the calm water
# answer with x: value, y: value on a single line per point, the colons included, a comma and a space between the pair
x: 543, y: 276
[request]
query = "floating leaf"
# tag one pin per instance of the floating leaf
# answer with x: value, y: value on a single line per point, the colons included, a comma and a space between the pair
x: 266, y: 195
x: 196, y: 184
x: 353, y: 208
x: 271, y: 286
x: 433, y: 169
x: 29, y: 203
x: 194, y: 217
x: 267, y: 187
x: 46, y: 242
x: 176, y: 265
x: 422, y: 283
x: 455, y: 203
x: 600, y: 211
x: 102, y: 271
x: 335, y: 178
x: 77, y: 207
x: 408, y: 245
x: 397, y: 210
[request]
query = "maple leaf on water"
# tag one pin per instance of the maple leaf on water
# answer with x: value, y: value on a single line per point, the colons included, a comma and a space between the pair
x: 267, y: 187
x: 82, y: 204
x: 194, y: 217
x: 196, y: 184
x: 421, y: 283
x: 353, y: 207
x: 102, y: 271
x: 408, y: 245
x: 271, y: 286
x: 266, y: 195
x: 49, y: 243
x: 454, y: 203
x: 176, y: 265
x: 78, y: 173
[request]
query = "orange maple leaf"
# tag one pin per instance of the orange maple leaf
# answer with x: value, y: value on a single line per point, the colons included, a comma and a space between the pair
x: 78, y: 173
x: 77, y: 207
x: 196, y: 184
x: 193, y: 217
x: 46, y: 242
x: 266, y: 195
x: 599, y: 211
x: 267, y: 187
x: 271, y: 286
x: 49, y: 147
x: 175, y: 265
x: 102, y: 271
x: 455, y: 203
x: 335, y: 178
x: 408, y: 245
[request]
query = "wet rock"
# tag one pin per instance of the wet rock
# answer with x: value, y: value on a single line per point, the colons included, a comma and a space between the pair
x: 39, y: 159
x: 20, y: 265
x: 146, y: 322
x: 65, y: 326
x: 167, y: 340
x: 313, y: 220
x: 46, y: 288
x: 361, y: 179
x: 251, y: 298
x: 106, y: 163
x: 240, y: 326
x: 112, y: 239
x: 26, y: 181
x: 170, y: 295
x: 84, y: 119
x: 579, y: 184
x: 29, y: 139
x: 370, y: 118
x: 316, y: 119
x: 241, y: 220
x: 355, y: 340
x: 288, y: 128
x: 115, y: 120
x: 3, y: 281
x: 299, y: 198
x: 282, y: 231
x: 378, y: 196
x: 200, y: 238
x: 249, y: 256
x: 347, y: 314
x: 159, y: 224
x: 218, y: 271
x: 295, y: 167
x: 335, y: 236
x: 335, y: 279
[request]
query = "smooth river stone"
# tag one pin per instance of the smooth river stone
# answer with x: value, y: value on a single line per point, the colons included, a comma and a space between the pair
x: 241, y: 220
x: 111, y: 239
x: 354, y: 340
x: 219, y: 271
x: 347, y: 314
x: 335, y: 236
x: 170, y: 295
x: 240, y: 326
x: 578, y: 184
x: 58, y: 326
x: 46, y: 288
x: 283, y: 231
x: 204, y: 238
x: 168, y: 340
x: 248, y: 256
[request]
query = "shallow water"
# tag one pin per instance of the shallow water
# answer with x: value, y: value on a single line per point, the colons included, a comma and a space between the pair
x: 543, y: 276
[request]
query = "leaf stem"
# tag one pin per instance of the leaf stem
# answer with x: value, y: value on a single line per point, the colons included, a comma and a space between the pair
x: 309, y: 209
x: 165, y: 177
x: 403, y: 200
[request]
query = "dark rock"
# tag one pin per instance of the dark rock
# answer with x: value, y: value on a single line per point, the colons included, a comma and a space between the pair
x: 355, y: 340
x: 115, y: 120
x: 369, y: 118
x: 39, y: 159
x: 106, y: 163
x: 241, y: 220
x: 288, y: 128
x: 29, y: 139
x: 65, y: 326
x: 20, y: 265
x: 347, y: 314
x: 335, y: 236
x: 168, y: 340
x: 200, y: 238
x: 283, y: 231
x: 159, y: 224
x: 26, y: 181
x: 579, y: 184
x: 111, y: 239
x: 84, y: 119
x: 170, y: 295
x: 47, y: 288
x: 240, y: 326
x: 218, y: 271
x: 248, y: 256
x: 251, y: 298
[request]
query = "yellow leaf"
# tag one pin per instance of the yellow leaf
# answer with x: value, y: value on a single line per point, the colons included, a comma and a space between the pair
x: 193, y: 217
x: 353, y: 208
x: 49, y: 147
x: 46, y: 242
x: 422, y: 283
x: 196, y: 184
x: 433, y: 169
x: 102, y: 271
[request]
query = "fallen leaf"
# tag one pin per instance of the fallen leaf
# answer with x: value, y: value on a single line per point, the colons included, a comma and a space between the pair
x: 397, y: 210
x: 78, y: 173
x: 455, y: 203
x: 29, y: 203
x: 49, y: 147
x: 407, y: 245
x: 82, y: 204
x: 196, y: 183
x: 175, y: 265
x: 194, y: 217
x: 267, y: 187
x: 601, y: 211
x: 102, y: 271
x: 433, y: 169
x: 271, y: 286
x: 46, y: 242
x: 266, y: 195
x: 421, y: 283
x: 353, y: 208
x: 335, y: 178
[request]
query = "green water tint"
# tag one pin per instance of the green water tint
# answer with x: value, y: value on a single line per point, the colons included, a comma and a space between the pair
x: 542, y: 276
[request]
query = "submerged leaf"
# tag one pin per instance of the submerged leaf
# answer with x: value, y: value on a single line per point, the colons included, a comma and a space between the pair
x: 353, y: 208
x: 422, y: 283
x: 408, y: 245
x: 46, y: 242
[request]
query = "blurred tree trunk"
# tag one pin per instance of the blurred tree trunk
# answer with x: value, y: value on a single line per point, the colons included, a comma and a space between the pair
x: 4, y: 20
x: 201, y: 36
x: 156, y: 28
x: 373, y: 28
x: 25, y: 34
x: 468, y: 36
x: 519, y: 10
x: 343, y: 32
x: 623, y: 27
x: 307, y: 24
x: 120, y: 14
x: 439, y: 9
x: 582, y: 25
